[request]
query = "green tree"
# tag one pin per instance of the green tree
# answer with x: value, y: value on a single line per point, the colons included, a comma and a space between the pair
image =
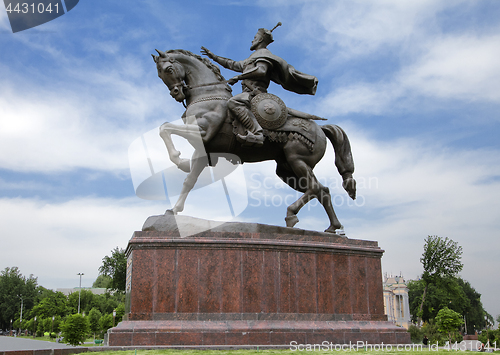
x: 441, y: 258
x: 106, y: 322
x: 87, y: 301
x: 120, y: 312
x: 40, y: 327
x: 102, y: 281
x: 474, y: 314
x: 445, y: 292
x: 75, y: 329
x: 115, y: 266
x: 448, y: 322
x: 94, y: 316
x: 51, y: 304
x: 430, y: 329
x: 15, y: 287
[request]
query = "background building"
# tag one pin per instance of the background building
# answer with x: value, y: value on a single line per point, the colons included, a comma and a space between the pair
x: 396, y: 301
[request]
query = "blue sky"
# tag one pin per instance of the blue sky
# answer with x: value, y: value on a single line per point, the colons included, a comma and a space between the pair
x: 415, y: 84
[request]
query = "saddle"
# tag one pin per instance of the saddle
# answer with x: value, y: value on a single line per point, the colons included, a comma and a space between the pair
x: 279, y: 123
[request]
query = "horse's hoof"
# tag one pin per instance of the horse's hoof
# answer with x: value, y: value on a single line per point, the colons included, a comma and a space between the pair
x: 333, y: 229
x: 291, y: 220
x: 349, y: 185
x: 185, y: 165
x: 170, y: 213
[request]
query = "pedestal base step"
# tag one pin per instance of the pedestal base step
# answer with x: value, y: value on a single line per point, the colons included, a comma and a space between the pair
x: 265, y: 332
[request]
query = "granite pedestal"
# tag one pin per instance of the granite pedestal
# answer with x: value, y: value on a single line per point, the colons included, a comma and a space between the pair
x: 251, y: 284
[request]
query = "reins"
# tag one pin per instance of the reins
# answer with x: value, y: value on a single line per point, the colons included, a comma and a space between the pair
x: 208, y: 84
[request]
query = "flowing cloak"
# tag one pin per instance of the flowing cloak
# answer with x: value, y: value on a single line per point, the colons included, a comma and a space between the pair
x: 286, y: 75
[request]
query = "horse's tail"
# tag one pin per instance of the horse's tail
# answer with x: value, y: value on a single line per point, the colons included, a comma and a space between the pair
x: 343, y: 156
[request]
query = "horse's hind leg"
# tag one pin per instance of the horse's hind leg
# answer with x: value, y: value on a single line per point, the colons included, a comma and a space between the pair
x: 300, y: 177
x: 326, y: 200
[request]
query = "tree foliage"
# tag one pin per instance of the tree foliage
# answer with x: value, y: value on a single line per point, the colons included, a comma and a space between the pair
x: 475, y: 313
x: 102, y: 281
x: 115, y: 266
x: 87, y: 301
x: 442, y: 257
x: 52, y: 304
x: 448, y: 321
x: 446, y: 292
x: 452, y: 292
x: 75, y: 329
x: 13, y: 287
x: 106, y: 322
x: 54, y: 311
x: 94, y: 316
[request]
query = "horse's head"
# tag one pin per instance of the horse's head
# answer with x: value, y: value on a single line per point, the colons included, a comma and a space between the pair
x: 172, y: 73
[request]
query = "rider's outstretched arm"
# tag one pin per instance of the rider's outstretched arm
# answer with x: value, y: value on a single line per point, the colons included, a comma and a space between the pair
x: 225, y: 62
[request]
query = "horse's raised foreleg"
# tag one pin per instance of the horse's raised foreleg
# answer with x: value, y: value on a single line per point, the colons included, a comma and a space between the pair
x: 199, y: 162
x: 190, y: 131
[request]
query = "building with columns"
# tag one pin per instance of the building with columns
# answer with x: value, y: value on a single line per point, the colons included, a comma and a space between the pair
x: 396, y: 301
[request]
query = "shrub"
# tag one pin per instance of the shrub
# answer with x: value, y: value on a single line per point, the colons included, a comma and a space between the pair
x: 430, y: 329
x: 416, y: 334
x: 75, y: 329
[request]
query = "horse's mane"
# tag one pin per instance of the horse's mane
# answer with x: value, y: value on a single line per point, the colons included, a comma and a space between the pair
x: 214, y: 68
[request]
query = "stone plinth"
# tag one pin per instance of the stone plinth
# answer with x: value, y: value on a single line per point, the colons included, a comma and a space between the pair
x: 251, y: 284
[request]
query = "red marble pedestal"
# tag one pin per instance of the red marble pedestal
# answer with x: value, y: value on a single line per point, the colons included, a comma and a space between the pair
x: 253, y: 288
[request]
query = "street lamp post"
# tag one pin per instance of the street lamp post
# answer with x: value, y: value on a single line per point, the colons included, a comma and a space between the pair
x: 11, y: 327
x: 80, y: 290
x: 21, y: 317
x: 114, y: 315
x: 52, y: 326
x: 34, y: 331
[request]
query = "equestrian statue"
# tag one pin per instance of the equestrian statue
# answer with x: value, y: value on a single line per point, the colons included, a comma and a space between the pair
x: 254, y: 125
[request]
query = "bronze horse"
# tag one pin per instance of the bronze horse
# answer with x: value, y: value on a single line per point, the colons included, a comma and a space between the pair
x: 208, y: 127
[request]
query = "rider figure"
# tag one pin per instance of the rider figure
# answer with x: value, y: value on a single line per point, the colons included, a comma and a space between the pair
x: 257, y: 72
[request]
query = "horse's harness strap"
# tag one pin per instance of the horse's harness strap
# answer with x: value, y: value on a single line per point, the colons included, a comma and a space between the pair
x: 210, y: 98
x: 208, y: 84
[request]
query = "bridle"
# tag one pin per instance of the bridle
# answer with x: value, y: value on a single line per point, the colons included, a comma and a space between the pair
x: 171, y: 70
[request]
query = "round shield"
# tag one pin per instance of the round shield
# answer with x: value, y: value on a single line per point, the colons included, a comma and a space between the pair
x: 269, y: 110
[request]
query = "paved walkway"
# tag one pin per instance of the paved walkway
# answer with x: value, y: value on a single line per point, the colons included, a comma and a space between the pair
x: 13, y: 343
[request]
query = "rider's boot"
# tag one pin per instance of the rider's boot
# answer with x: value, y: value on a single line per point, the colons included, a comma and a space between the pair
x: 254, y: 135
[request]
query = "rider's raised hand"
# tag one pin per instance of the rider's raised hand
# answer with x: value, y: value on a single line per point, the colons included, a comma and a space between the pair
x: 207, y: 52
x: 233, y: 81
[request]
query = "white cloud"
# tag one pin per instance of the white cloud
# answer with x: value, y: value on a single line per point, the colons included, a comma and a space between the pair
x: 458, y: 67
x: 363, y: 98
x: 51, y: 129
x: 462, y: 68
x: 56, y: 241
x: 358, y: 28
x: 428, y: 62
